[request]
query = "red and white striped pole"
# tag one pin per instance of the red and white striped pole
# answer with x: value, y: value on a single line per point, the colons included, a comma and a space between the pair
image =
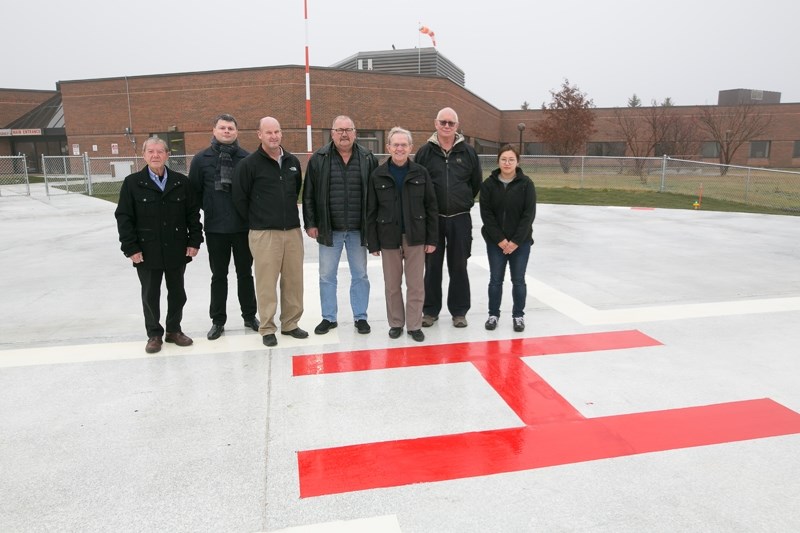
x: 308, y: 85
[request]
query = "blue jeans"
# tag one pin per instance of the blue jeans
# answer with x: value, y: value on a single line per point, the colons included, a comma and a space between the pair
x: 518, y: 263
x: 329, y: 267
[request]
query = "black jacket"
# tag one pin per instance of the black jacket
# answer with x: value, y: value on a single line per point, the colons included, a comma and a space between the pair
x: 383, y: 209
x: 219, y: 215
x: 316, y: 191
x: 456, y: 176
x: 508, y: 211
x: 264, y: 194
x: 160, y: 225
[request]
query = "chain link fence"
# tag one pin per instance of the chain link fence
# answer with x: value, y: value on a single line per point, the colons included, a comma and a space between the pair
x: 14, y: 178
x: 775, y: 189
x: 97, y: 176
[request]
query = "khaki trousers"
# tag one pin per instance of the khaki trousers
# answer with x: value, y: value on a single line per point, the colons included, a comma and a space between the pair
x: 410, y: 259
x: 278, y: 254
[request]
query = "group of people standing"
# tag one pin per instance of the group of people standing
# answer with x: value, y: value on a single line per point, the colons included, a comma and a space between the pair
x: 414, y: 214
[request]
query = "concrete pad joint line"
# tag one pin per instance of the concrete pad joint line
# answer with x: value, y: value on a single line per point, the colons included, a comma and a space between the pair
x: 588, y: 315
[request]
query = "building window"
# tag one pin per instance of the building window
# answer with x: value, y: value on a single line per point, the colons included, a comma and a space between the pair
x: 796, y: 152
x: 610, y: 149
x: 759, y: 149
x: 536, y: 149
x: 487, y: 147
x: 710, y: 149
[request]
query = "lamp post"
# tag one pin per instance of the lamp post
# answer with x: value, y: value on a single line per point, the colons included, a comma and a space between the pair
x: 521, y: 128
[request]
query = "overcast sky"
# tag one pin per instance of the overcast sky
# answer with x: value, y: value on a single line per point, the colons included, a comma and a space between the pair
x: 511, y: 52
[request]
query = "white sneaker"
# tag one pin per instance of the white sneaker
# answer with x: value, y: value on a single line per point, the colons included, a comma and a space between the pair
x: 491, y: 323
x: 519, y: 323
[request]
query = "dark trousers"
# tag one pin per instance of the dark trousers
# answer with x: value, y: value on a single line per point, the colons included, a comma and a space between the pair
x: 518, y: 264
x: 455, y: 242
x: 220, y: 246
x: 151, y: 298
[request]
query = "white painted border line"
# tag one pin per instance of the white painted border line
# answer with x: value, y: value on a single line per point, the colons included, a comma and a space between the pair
x: 117, y: 351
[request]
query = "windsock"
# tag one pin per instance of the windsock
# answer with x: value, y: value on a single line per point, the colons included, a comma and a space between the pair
x: 427, y: 31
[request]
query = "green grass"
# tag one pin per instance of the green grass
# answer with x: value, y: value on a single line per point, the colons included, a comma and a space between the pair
x: 664, y: 200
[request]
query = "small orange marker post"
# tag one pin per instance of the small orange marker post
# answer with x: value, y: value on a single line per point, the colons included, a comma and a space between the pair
x: 699, y: 202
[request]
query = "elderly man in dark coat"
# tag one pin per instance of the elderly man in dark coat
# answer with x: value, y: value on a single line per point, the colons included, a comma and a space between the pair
x: 158, y: 219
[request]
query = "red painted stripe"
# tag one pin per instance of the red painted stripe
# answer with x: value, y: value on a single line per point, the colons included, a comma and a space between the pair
x: 530, y: 396
x: 396, y: 463
x: 355, y: 361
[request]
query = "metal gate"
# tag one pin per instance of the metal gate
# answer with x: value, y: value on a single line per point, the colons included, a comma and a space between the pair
x: 14, y: 176
x: 64, y: 174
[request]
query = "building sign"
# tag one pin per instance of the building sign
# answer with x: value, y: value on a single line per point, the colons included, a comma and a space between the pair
x: 5, y: 133
x: 114, y: 149
x: 27, y: 131
x: 76, y: 149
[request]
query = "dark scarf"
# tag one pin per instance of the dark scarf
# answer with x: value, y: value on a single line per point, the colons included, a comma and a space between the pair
x: 224, y: 176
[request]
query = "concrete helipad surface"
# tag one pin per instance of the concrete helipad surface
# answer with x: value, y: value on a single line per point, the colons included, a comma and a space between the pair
x: 655, y: 388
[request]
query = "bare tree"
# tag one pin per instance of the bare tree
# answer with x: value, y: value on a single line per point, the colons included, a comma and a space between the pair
x: 732, y: 126
x: 680, y: 134
x: 655, y: 131
x: 635, y: 130
x: 525, y: 106
x: 568, y: 122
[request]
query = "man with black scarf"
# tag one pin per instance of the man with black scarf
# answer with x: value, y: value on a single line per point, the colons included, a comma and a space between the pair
x: 211, y: 174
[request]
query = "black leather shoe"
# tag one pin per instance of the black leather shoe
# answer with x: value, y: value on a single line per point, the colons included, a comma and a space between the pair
x: 363, y: 326
x: 215, y: 332
x: 417, y: 335
x: 395, y: 332
x: 297, y: 333
x: 270, y: 340
x: 252, y: 323
x: 325, y: 326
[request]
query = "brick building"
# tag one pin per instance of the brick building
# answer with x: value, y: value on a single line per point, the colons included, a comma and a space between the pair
x: 112, y: 116
x: 15, y: 104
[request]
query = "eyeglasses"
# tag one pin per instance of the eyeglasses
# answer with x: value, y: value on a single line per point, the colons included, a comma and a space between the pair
x: 508, y: 160
x: 448, y: 123
x: 340, y: 131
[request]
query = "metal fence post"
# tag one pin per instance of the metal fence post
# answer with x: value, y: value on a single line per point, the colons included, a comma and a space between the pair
x: 583, y: 160
x: 663, y: 185
x: 27, y: 179
x: 87, y: 172
x: 747, y: 185
x: 46, y: 177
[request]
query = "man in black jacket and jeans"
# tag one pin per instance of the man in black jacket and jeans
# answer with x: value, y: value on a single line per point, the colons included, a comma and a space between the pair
x: 211, y: 175
x: 456, y: 173
x: 334, y: 213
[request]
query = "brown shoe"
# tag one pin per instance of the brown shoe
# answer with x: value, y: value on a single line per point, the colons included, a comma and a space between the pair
x: 178, y: 338
x: 153, y: 345
x: 428, y: 320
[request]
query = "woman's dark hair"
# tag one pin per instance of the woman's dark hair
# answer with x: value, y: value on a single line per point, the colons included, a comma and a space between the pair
x: 507, y: 148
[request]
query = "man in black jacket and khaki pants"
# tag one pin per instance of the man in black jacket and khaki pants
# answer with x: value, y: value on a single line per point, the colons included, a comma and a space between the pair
x: 158, y: 219
x: 266, y: 185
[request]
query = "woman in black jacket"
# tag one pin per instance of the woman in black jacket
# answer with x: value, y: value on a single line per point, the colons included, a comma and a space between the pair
x: 402, y: 226
x: 508, y: 207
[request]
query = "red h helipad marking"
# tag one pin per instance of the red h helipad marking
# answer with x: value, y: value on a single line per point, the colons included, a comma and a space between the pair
x: 555, y: 433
